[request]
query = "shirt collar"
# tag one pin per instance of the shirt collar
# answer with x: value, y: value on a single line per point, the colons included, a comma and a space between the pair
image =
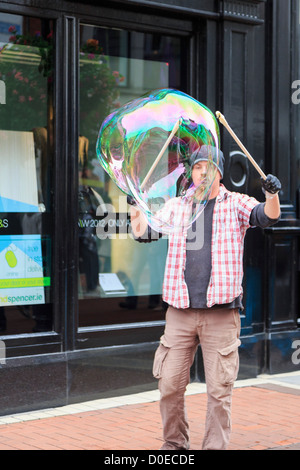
x: 223, y: 193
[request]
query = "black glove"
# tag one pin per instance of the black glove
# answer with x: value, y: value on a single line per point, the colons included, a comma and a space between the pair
x: 131, y: 200
x: 271, y: 184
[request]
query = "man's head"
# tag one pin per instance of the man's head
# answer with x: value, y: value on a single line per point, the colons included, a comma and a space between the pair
x: 199, y: 166
x: 206, y: 153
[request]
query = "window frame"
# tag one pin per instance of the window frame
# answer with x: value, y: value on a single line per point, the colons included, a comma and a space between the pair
x: 50, y: 341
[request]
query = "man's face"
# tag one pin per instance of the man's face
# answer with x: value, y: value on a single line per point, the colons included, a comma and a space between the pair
x: 204, y: 175
x: 199, y: 173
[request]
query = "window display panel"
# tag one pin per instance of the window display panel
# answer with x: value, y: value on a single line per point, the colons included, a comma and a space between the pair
x: 26, y: 131
x: 120, y: 280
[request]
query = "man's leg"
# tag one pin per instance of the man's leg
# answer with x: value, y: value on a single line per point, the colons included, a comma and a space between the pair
x: 172, y: 363
x: 219, y: 341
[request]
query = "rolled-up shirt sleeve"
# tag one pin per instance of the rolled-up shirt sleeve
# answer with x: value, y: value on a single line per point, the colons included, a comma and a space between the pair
x: 258, y: 218
x: 148, y: 236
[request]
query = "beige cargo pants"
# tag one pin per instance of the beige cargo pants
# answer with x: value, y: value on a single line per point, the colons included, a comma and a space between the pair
x: 218, y: 333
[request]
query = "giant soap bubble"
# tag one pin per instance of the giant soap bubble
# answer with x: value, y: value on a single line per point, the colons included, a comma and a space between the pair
x: 145, y: 146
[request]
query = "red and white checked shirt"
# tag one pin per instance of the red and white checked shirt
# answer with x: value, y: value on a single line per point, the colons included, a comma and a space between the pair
x: 231, y: 219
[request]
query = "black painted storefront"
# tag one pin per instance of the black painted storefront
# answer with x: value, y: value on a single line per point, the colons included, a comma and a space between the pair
x: 239, y: 57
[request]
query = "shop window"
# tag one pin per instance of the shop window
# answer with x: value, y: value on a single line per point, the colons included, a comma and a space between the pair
x: 26, y: 136
x: 120, y: 280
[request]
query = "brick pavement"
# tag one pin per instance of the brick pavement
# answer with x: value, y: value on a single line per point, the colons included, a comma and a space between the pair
x: 265, y: 416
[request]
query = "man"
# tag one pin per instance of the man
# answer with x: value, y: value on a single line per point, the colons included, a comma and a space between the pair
x: 203, y: 288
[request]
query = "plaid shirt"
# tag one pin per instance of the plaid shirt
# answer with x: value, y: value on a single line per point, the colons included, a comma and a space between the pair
x: 230, y: 221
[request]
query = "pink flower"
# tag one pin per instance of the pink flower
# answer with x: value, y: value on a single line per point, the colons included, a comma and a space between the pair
x: 18, y: 76
x: 15, y: 92
x: 12, y: 29
x: 22, y: 99
x: 30, y: 98
x: 91, y: 56
x: 116, y: 73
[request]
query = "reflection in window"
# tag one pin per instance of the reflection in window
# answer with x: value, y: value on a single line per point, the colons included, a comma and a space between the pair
x: 120, y: 280
x: 26, y: 130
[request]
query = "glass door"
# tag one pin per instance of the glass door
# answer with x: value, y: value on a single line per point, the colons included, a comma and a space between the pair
x: 120, y: 280
x: 26, y: 160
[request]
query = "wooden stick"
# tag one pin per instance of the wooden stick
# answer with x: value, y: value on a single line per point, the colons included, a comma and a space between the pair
x: 225, y: 123
x: 155, y: 163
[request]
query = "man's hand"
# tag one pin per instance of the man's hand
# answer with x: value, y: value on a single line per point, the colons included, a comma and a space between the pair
x: 271, y: 184
x: 139, y: 223
x: 271, y: 187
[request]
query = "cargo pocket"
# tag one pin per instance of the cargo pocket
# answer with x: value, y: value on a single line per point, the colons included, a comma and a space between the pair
x: 159, y: 359
x: 229, y: 363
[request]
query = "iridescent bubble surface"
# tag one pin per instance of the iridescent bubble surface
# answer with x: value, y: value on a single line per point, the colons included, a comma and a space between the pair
x: 145, y: 146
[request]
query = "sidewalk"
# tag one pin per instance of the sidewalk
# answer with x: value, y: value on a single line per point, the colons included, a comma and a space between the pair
x: 266, y: 415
